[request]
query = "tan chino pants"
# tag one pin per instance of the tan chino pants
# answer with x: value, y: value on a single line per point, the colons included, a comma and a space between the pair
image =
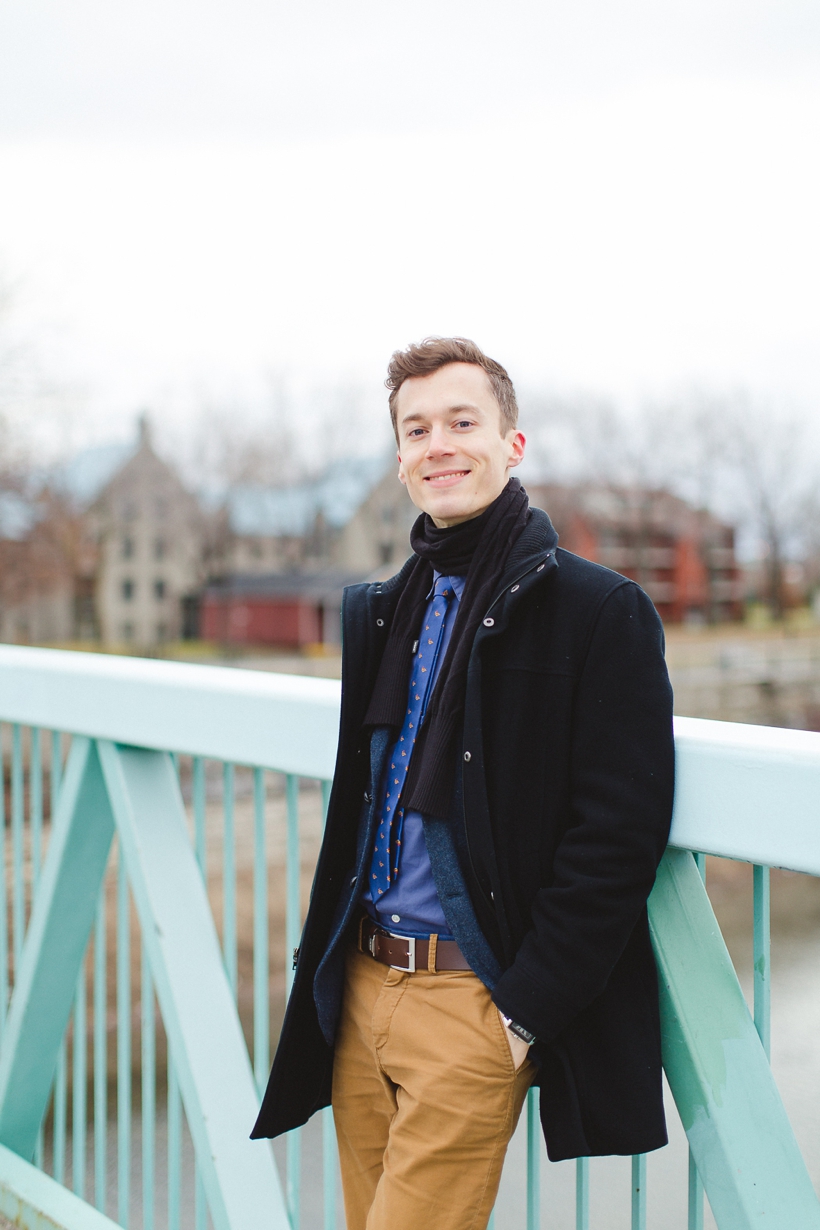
x: 425, y: 1098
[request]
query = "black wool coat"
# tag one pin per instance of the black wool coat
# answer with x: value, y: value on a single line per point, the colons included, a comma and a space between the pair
x: 567, y: 765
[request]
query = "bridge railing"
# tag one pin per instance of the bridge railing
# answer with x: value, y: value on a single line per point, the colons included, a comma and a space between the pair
x: 160, y: 825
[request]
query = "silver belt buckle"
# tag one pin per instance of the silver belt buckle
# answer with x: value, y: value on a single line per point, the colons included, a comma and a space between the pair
x: 410, y: 968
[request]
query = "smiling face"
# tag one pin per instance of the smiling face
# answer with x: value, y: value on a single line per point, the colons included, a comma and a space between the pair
x: 453, y: 458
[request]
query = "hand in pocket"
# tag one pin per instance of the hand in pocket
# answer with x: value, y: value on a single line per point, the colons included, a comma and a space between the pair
x: 518, y: 1047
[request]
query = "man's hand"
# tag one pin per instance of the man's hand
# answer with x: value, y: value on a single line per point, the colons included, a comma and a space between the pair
x: 518, y: 1047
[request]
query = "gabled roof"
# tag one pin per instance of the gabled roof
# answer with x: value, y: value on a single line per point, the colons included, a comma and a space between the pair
x: 292, y: 511
x: 88, y: 472
x: 252, y: 510
x: 271, y: 512
x: 18, y: 516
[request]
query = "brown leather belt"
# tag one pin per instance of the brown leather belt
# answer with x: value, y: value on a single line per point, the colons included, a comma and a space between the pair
x: 409, y: 955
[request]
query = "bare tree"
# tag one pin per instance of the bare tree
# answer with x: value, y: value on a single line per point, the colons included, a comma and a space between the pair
x: 40, y: 535
x: 591, y: 439
x: 729, y: 454
x: 569, y: 438
x: 234, y: 446
x: 777, y: 472
x: 292, y: 437
x: 810, y: 520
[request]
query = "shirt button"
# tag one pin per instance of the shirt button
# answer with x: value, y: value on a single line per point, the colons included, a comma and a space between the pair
x: 488, y: 623
x: 514, y: 588
x: 467, y: 756
x: 396, y: 917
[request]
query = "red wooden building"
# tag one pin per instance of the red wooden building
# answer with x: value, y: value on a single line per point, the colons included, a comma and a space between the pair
x: 286, y: 611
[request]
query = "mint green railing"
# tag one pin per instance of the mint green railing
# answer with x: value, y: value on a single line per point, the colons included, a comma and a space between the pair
x: 233, y: 767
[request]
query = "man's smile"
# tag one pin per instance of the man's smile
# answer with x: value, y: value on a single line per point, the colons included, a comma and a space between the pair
x: 446, y: 478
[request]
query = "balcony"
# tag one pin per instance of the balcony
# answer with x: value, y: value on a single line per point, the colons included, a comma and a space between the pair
x: 160, y: 825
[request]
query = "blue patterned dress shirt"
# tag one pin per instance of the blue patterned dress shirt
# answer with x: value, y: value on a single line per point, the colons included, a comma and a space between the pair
x: 410, y: 906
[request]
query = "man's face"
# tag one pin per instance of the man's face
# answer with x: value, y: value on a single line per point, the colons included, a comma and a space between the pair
x: 453, y: 458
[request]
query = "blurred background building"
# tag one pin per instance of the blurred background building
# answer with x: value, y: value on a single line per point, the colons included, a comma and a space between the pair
x: 149, y: 536
x: 683, y: 557
x: 118, y: 550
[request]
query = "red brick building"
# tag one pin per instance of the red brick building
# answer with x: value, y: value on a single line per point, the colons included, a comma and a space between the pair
x: 683, y: 557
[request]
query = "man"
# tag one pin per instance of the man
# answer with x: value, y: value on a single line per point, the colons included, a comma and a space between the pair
x: 501, y: 800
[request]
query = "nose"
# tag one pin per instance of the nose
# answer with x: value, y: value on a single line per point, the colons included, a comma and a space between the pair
x: 439, y: 443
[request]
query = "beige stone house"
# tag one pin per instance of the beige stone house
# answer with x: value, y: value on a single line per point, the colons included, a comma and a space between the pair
x: 150, y: 532
x: 355, y: 518
x: 376, y: 537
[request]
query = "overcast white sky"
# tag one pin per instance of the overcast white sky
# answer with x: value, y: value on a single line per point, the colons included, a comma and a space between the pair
x: 614, y: 197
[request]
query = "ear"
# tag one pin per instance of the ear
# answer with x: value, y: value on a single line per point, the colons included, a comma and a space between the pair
x: 517, y: 445
x: 402, y: 479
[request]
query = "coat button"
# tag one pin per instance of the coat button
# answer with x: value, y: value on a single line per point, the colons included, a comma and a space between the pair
x: 488, y: 622
x: 467, y: 756
x: 366, y: 797
x: 379, y: 623
x: 514, y: 588
x: 540, y: 567
x: 353, y: 881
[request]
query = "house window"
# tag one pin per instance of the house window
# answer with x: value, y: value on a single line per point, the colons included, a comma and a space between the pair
x: 160, y: 548
x: 127, y: 590
x: 159, y: 589
x: 162, y: 633
x: 127, y: 548
x: 128, y: 632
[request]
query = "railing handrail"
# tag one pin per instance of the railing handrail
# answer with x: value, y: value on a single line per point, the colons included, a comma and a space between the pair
x: 284, y: 722
x: 748, y: 792
x: 744, y: 792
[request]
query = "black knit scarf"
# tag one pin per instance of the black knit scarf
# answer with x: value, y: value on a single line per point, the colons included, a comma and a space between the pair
x: 479, y: 549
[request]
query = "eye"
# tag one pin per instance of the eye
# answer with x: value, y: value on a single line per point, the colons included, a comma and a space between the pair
x: 464, y: 423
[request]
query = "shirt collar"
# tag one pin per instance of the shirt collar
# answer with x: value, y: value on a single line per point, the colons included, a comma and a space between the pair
x: 457, y: 583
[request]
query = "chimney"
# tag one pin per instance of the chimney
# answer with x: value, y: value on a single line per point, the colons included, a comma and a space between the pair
x: 144, y: 431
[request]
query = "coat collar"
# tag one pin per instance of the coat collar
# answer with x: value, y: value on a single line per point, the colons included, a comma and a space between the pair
x: 531, y: 560
x: 538, y: 538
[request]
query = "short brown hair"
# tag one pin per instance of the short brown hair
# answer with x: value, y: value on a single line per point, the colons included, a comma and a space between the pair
x: 422, y: 358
